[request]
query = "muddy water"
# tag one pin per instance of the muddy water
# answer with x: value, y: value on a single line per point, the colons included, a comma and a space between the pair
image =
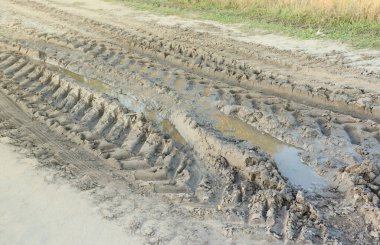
x: 169, y: 128
x: 164, y: 124
x: 234, y: 127
x: 206, y: 91
x: 287, y: 157
x: 95, y: 84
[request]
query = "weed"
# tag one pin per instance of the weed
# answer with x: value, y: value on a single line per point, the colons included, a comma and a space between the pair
x: 353, y: 21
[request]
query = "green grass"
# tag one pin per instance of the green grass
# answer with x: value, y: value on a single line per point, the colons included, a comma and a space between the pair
x: 305, y: 24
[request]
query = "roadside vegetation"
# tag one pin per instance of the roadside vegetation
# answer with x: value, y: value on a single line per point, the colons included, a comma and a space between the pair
x: 353, y: 21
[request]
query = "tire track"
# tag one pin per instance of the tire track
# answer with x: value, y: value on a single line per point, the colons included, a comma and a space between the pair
x: 165, y: 163
x: 211, y: 175
x: 208, y: 64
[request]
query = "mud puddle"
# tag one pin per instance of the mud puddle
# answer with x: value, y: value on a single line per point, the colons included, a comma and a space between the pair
x: 129, y: 102
x: 152, y: 115
x: 286, y: 156
x: 95, y: 84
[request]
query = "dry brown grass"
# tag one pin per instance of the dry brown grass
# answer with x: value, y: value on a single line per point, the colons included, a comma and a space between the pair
x: 356, y: 9
x: 353, y: 21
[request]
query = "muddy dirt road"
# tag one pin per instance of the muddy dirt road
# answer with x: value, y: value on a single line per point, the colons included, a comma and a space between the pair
x: 191, y: 132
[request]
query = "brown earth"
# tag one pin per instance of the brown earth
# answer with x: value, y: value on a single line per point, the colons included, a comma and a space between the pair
x: 248, y: 139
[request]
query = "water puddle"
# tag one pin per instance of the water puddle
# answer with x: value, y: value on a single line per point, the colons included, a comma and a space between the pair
x: 92, y: 83
x: 179, y: 85
x: 206, y: 90
x: 153, y: 73
x: 131, y: 104
x: 166, y: 76
x: 142, y: 69
x: 165, y: 125
x: 122, y: 61
x: 290, y: 165
x: 287, y: 157
x: 235, y: 127
x: 170, y: 129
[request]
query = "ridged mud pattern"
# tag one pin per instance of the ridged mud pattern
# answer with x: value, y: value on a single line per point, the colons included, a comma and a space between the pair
x: 102, y: 125
x: 210, y: 63
x: 128, y: 142
x: 270, y: 114
x: 67, y: 75
x: 90, y: 173
x: 250, y: 106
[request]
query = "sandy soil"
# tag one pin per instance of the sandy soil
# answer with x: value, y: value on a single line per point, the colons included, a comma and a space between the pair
x: 179, y: 131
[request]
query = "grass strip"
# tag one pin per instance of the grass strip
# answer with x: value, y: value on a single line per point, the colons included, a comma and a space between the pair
x: 360, y: 28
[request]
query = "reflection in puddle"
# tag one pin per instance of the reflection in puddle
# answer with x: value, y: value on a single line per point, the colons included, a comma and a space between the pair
x: 165, y: 77
x: 286, y: 157
x: 74, y: 75
x: 235, y: 127
x: 165, y: 125
x: 206, y: 91
x: 153, y: 73
x: 143, y: 68
x: 131, y: 104
x: 98, y: 85
x: 122, y: 61
x: 288, y: 162
x: 170, y: 129
x: 92, y: 83
x: 179, y: 85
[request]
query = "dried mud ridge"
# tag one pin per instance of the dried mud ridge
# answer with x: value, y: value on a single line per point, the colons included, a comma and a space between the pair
x: 205, y: 167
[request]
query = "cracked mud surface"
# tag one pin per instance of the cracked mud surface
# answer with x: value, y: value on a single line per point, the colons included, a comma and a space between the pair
x: 161, y: 123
